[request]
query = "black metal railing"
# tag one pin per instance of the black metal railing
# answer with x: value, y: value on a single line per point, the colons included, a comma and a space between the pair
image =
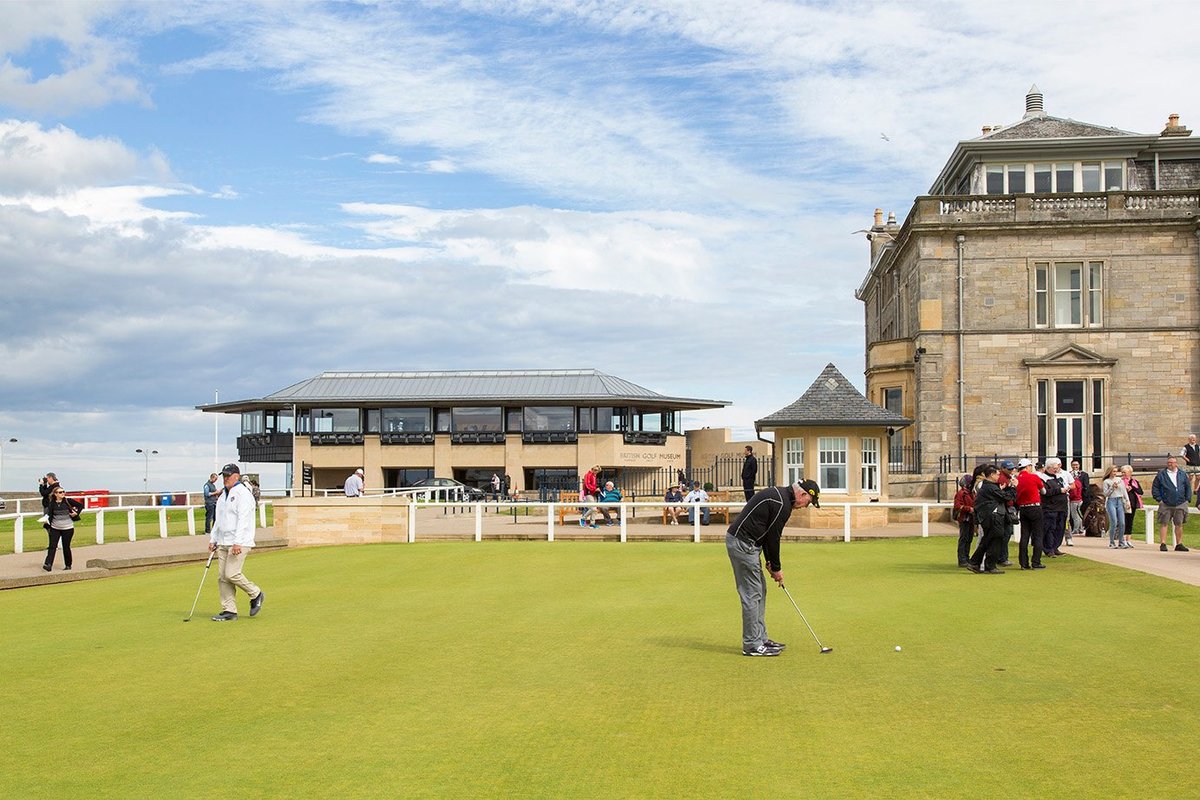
x: 904, y: 459
x: 1141, y: 462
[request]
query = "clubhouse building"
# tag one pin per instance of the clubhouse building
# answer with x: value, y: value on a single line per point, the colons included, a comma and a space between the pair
x: 1044, y: 298
x: 537, y: 428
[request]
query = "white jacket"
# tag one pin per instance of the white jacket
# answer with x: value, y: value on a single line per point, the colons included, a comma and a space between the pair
x: 235, y: 517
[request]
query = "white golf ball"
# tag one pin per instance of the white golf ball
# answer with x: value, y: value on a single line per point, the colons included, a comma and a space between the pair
x: 897, y: 648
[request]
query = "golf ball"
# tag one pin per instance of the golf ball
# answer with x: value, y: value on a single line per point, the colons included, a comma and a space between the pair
x: 897, y: 648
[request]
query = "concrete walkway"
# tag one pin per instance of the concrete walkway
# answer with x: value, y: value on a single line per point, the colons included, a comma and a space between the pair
x: 1182, y: 567
x: 98, y: 561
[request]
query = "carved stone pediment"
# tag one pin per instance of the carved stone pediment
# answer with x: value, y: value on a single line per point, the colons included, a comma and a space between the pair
x: 1072, y: 355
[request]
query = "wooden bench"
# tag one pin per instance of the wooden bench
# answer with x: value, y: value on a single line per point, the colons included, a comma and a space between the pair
x: 713, y: 511
x: 563, y: 510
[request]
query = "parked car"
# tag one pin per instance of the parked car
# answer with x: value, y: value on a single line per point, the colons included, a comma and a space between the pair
x: 454, y: 490
x: 1, y: 503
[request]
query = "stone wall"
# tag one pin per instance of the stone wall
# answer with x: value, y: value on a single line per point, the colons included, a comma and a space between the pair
x: 341, y: 520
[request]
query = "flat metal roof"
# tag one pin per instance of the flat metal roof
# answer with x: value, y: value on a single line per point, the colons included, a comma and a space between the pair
x: 458, y: 387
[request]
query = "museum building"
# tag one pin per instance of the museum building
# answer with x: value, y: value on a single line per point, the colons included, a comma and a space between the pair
x: 538, y: 428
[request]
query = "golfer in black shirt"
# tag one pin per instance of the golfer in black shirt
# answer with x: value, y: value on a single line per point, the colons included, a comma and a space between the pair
x: 752, y: 536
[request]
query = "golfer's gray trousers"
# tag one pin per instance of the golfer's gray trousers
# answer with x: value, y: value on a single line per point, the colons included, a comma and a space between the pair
x: 751, y: 585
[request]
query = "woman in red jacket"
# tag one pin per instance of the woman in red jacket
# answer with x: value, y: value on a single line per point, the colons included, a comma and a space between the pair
x: 964, y: 515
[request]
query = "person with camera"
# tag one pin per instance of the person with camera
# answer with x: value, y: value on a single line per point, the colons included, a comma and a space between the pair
x: 61, y: 513
x: 46, y: 487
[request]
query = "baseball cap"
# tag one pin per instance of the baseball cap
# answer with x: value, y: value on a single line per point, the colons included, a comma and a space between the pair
x: 1006, y: 464
x: 359, y: 471
x: 813, y: 490
x: 1023, y: 463
x: 231, y: 469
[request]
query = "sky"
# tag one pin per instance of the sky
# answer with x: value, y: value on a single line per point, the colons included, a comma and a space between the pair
x: 222, y: 199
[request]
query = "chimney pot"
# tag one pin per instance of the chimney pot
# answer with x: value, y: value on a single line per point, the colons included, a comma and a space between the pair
x: 891, y: 218
x: 879, y: 216
x: 987, y: 129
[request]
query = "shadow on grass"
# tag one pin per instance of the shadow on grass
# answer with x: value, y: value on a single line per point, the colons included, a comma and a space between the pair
x: 693, y: 644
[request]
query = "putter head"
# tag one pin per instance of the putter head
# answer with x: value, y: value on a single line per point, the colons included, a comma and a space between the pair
x: 826, y: 649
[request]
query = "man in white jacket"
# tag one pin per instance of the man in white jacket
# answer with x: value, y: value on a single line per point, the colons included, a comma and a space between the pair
x: 233, y: 537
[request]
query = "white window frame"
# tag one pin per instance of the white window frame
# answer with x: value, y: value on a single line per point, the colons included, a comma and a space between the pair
x: 1076, y: 168
x: 870, y: 465
x: 1046, y: 297
x: 833, y: 455
x: 793, y: 459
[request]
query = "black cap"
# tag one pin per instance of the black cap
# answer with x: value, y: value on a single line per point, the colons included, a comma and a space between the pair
x: 814, y: 491
x: 231, y: 469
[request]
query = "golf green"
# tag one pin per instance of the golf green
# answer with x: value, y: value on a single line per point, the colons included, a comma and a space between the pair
x: 532, y: 669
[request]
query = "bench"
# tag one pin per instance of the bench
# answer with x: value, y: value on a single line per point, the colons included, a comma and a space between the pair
x: 563, y: 510
x: 713, y: 511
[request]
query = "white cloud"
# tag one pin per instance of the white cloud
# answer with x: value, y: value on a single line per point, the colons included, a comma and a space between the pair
x: 383, y: 158
x: 92, y: 72
x: 40, y: 160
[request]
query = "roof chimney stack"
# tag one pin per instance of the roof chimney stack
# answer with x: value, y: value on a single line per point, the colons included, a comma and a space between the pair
x: 1033, y: 102
x: 1174, y: 128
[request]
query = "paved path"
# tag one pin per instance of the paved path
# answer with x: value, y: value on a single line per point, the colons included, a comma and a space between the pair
x: 1183, y: 567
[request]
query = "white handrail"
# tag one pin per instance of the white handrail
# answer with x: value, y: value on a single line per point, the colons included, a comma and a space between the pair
x: 99, y: 512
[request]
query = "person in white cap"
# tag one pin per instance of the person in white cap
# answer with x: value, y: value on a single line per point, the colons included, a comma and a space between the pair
x: 1030, y: 489
x: 354, y: 484
x: 233, y: 538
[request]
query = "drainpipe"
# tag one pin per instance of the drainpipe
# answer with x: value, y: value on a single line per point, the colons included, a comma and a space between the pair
x: 960, y: 241
x: 758, y: 435
x: 1156, y: 171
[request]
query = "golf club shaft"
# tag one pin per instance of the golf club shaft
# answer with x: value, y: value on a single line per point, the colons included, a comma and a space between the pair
x: 207, y: 564
x: 801, y: 613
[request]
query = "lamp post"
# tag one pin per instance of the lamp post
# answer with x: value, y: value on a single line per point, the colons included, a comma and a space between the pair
x: 10, y: 441
x: 146, y: 474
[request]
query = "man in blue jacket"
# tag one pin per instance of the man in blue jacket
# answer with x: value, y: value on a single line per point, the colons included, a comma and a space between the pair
x: 1173, y: 491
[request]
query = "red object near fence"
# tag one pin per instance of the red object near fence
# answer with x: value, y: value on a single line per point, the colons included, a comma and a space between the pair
x: 92, y: 498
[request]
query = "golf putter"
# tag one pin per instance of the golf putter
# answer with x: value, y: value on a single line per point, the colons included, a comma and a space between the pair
x: 824, y: 649
x: 207, y: 564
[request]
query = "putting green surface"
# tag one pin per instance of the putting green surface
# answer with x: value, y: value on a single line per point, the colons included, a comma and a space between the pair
x: 603, y: 670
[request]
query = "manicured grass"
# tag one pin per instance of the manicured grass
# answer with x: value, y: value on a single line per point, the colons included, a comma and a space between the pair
x: 603, y: 670
x: 116, y: 527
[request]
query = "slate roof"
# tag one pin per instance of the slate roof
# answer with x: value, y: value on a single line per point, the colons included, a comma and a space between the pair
x: 832, y: 400
x: 1045, y: 126
x: 472, y: 386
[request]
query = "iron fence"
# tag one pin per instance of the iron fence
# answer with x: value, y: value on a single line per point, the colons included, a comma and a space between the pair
x: 904, y: 459
x: 1141, y: 462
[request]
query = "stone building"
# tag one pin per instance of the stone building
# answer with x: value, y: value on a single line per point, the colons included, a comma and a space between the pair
x: 1044, y: 297
x: 837, y: 437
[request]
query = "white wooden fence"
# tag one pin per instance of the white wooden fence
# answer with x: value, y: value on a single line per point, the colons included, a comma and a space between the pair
x: 130, y: 513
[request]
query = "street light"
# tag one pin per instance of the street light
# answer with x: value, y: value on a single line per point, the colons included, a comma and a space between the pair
x: 10, y: 441
x: 146, y: 475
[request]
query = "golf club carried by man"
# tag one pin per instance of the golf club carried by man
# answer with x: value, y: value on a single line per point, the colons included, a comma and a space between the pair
x: 232, y: 538
x: 752, y: 536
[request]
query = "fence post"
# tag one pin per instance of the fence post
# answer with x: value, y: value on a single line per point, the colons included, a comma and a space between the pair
x: 1149, y: 525
x: 925, y: 520
x: 132, y: 526
x: 550, y: 522
x: 162, y: 521
x: 479, y: 522
x: 696, y: 530
x: 191, y: 520
x: 19, y: 535
x: 99, y: 526
x: 262, y: 515
x: 623, y: 530
x: 846, y: 522
x: 412, y: 520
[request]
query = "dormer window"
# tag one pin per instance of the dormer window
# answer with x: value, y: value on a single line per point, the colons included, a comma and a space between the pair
x: 1055, y: 177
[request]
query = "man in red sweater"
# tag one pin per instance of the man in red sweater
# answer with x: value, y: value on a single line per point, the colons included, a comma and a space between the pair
x: 1030, y: 489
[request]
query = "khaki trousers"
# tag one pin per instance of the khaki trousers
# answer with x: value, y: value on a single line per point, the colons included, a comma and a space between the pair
x: 229, y: 576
